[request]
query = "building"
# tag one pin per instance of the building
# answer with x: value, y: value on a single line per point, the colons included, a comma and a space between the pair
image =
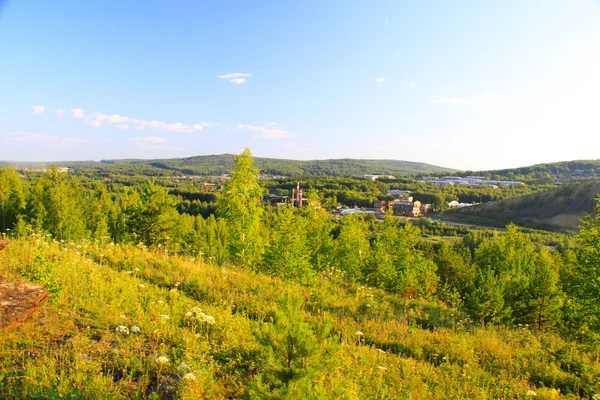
x: 397, y: 193
x: 384, y: 205
x: 425, y: 208
x: 297, y: 196
x: 407, y: 209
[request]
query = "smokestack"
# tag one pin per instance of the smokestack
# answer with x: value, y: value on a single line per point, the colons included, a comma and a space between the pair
x: 298, y: 196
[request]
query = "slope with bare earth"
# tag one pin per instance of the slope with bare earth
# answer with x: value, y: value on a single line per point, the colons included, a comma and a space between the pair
x: 561, y: 209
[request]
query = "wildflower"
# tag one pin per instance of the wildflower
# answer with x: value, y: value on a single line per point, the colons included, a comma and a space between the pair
x: 122, y: 330
x: 162, y: 360
x: 135, y: 329
x: 531, y: 393
x: 189, y: 377
x: 183, y: 367
x: 142, y: 285
x: 381, y: 368
x: 136, y: 269
x: 160, y: 302
x: 164, y: 316
x: 196, y: 314
x: 359, y: 333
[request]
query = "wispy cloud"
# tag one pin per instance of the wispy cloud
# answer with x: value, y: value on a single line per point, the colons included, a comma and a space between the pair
x: 266, y: 132
x: 38, y: 109
x: 78, y: 112
x: 38, y: 137
x: 236, y: 77
x: 154, y: 143
x: 412, y: 84
x: 98, y: 119
x: 484, y: 99
x: 380, y: 80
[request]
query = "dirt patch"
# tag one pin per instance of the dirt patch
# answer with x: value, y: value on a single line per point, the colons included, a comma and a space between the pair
x: 18, y: 301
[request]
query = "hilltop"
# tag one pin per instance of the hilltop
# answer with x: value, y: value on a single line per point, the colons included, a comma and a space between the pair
x: 223, y: 163
x: 546, y: 173
x: 560, y: 209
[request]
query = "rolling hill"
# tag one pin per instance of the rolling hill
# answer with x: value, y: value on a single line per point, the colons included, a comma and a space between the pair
x: 222, y: 164
x: 560, y: 209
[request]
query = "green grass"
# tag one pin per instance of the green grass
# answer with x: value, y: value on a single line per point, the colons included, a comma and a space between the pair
x: 410, y: 349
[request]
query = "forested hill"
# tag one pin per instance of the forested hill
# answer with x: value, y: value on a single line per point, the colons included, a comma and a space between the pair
x: 547, y: 173
x: 222, y: 164
x: 560, y: 209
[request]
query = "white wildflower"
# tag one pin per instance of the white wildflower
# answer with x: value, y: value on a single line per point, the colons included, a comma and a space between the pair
x: 162, y: 360
x: 164, y: 316
x: 189, y: 377
x: 382, y: 368
x: 196, y: 314
x: 122, y: 330
x: 142, y: 285
x: 135, y: 329
x: 359, y: 333
x: 531, y: 393
x: 183, y: 367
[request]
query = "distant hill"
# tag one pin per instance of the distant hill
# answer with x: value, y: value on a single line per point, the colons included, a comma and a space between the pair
x: 563, y: 171
x: 560, y: 209
x: 222, y: 164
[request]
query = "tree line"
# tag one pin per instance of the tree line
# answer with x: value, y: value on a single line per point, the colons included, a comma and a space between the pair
x: 497, y: 278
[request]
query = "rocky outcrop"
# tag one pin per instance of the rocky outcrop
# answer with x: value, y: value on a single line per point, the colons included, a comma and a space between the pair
x: 18, y: 301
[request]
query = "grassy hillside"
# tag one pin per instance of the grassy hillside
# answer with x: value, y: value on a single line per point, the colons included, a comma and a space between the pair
x: 124, y: 322
x: 560, y: 209
x: 222, y: 164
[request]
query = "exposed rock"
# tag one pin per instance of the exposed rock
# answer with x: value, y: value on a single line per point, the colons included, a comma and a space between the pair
x: 18, y: 301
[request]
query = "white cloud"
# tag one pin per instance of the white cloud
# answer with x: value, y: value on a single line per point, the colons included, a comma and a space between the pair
x: 38, y: 109
x: 380, y: 80
x: 78, y: 112
x: 484, y: 99
x: 266, y: 132
x: 153, y: 143
x: 98, y: 119
x: 38, y: 137
x: 236, y: 77
x: 412, y: 84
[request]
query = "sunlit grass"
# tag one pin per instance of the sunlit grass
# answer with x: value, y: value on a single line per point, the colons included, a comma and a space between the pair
x: 77, y: 346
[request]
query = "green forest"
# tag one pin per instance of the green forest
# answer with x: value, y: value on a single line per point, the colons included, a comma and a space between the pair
x: 164, y: 290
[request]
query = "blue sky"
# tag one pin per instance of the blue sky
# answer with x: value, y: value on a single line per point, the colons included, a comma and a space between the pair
x: 464, y: 84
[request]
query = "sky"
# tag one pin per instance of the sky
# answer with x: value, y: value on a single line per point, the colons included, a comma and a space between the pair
x: 466, y: 84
